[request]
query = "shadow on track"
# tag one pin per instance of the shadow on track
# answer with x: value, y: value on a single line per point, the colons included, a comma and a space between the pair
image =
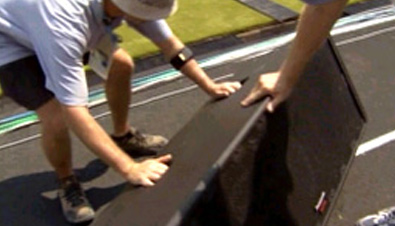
x: 32, y: 200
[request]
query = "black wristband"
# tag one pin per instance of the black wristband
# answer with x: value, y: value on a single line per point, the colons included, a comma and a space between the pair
x: 181, y: 58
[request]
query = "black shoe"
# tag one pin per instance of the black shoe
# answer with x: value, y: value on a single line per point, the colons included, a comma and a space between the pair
x: 75, y: 206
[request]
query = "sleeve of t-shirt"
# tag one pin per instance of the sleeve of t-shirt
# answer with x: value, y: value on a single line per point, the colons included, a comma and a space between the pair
x: 60, y: 54
x: 316, y: 2
x: 156, y: 30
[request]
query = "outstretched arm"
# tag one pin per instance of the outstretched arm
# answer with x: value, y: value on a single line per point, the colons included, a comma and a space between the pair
x: 144, y: 173
x: 313, y: 27
x: 160, y: 33
x: 172, y: 46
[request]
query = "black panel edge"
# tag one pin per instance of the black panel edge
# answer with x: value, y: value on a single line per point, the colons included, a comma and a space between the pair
x: 349, y: 83
x: 332, y: 207
x: 354, y: 146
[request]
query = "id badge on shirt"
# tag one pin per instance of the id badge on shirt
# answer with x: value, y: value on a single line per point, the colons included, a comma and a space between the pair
x: 100, y: 58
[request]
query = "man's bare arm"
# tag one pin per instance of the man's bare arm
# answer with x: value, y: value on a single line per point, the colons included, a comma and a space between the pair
x: 313, y: 27
x: 172, y: 46
x: 96, y: 139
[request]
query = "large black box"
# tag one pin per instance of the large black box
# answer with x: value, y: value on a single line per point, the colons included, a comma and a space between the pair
x: 235, y: 166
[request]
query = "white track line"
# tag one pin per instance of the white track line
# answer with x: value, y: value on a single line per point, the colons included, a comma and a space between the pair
x: 366, y: 36
x: 375, y: 143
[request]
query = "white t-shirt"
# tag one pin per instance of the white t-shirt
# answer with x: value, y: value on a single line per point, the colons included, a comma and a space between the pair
x: 59, y: 32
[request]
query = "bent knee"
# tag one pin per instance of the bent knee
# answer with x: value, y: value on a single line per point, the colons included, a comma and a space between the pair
x: 55, y: 124
x: 122, y: 64
x: 51, y: 117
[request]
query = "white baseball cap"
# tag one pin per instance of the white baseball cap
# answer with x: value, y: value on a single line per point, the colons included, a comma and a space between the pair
x: 147, y: 9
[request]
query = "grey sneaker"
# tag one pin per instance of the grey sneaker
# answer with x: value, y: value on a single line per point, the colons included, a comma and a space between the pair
x: 385, y: 217
x: 75, y: 206
x: 137, y: 144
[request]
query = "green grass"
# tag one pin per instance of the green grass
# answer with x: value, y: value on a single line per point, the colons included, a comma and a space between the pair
x: 197, y: 20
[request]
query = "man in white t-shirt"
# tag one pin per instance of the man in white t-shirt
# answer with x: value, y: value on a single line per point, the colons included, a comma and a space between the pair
x: 42, y: 44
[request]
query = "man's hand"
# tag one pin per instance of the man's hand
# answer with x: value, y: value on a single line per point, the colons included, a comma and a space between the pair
x: 149, y: 171
x: 225, y: 89
x: 273, y: 85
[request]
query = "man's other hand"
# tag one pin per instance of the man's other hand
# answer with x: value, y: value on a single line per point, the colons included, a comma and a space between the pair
x: 148, y: 172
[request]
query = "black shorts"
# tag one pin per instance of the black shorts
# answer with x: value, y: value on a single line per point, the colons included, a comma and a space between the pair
x: 24, y: 82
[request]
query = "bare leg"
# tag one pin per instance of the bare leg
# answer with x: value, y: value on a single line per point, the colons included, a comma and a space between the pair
x: 119, y: 95
x: 57, y: 148
x: 118, y: 90
x: 55, y: 138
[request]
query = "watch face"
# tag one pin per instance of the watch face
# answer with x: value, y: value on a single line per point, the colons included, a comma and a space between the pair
x: 182, y: 57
